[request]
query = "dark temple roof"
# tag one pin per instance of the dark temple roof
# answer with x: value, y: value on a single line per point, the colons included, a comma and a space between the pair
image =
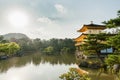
x: 94, y: 25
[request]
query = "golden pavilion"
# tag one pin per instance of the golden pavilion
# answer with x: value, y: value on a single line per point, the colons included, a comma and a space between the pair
x: 85, y: 30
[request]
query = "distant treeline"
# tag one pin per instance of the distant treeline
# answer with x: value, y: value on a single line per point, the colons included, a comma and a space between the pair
x: 49, y: 47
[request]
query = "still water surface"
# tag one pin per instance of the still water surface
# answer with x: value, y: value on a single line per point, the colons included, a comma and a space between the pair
x: 42, y: 67
x: 36, y: 67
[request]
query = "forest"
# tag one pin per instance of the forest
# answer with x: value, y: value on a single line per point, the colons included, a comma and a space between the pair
x: 23, y: 46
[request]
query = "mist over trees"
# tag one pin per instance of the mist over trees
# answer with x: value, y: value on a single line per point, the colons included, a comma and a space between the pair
x: 49, y: 47
x: 52, y: 46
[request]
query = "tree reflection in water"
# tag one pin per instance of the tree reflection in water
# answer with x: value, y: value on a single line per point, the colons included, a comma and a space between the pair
x: 36, y: 59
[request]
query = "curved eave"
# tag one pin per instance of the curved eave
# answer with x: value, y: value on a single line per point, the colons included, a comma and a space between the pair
x: 82, y: 29
x: 81, y: 36
x: 91, y: 26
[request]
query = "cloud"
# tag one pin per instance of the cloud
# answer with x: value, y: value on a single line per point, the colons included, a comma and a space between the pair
x: 60, y: 8
x: 44, y: 20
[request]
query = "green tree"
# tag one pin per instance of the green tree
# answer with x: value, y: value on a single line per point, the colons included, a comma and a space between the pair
x: 114, y: 41
x: 3, y: 48
x: 9, y: 48
x: 74, y: 75
x: 112, y: 59
x: 94, y: 43
x: 65, y: 50
x: 115, y: 22
x: 13, y: 48
x: 49, y: 50
x: 26, y: 45
x: 37, y: 44
x: 59, y: 45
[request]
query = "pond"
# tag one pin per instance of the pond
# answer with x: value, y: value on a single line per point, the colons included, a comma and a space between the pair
x: 36, y: 67
x: 41, y: 67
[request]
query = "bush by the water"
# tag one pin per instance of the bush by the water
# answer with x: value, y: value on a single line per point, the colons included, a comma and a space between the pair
x: 112, y: 59
x: 74, y: 74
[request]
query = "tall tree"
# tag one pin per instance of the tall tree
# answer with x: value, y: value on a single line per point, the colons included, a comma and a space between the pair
x: 115, y: 22
x: 9, y: 48
x: 37, y: 44
x: 94, y: 43
x: 115, y: 42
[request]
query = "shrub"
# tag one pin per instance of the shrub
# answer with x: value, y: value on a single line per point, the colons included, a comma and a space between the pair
x: 112, y: 59
x: 74, y: 75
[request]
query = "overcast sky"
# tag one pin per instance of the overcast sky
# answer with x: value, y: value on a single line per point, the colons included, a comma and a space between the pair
x: 47, y: 19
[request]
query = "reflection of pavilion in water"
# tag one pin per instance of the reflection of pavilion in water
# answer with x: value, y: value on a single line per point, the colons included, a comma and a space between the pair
x: 37, y: 59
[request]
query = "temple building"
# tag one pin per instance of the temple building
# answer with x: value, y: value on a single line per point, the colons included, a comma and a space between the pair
x: 88, y: 29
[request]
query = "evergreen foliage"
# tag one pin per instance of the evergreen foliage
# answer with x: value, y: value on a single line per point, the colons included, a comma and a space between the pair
x: 115, y: 22
x: 74, y: 75
x: 112, y: 59
x: 94, y: 43
x: 114, y: 41
x: 52, y: 46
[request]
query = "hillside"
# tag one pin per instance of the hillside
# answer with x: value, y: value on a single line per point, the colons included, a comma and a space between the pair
x: 15, y: 35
